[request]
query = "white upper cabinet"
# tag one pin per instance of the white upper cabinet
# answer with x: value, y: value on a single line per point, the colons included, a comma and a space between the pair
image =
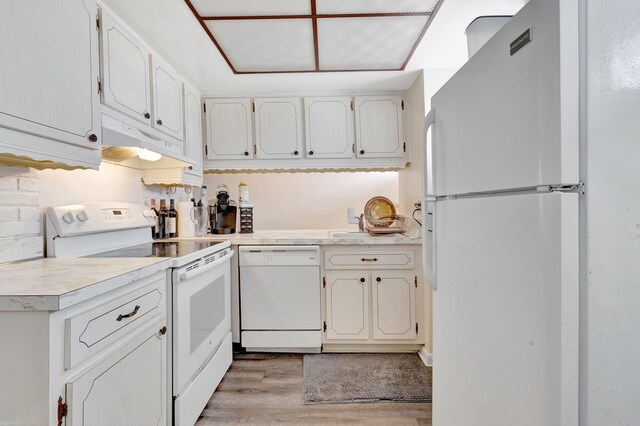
x: 229, y: 129
x: 167, y: 99
x: 125, y: 71
x: 193, y: 130
x: 329, y: 127
x: 379, y: 130
x: 49, y: 70
x: 279, y: 127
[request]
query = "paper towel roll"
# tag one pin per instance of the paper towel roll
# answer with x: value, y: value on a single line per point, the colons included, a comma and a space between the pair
x: 185, y: 224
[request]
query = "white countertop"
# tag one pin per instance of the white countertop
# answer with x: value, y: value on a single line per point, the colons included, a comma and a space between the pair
x: 309, y: 237
x: 51, y: 284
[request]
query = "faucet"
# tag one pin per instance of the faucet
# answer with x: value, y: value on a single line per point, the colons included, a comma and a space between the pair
x: 361, y: 223
x: 353, y: 219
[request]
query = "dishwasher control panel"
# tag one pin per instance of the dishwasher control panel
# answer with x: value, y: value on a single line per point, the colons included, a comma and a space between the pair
x: 279, y: 255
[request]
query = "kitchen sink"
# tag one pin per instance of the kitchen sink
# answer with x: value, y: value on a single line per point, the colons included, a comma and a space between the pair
x: 348, y: 234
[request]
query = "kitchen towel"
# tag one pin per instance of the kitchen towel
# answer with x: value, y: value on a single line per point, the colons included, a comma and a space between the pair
x: 186, y: 228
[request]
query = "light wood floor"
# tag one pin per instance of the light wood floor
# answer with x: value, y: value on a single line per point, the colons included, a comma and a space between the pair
x: 267, y: 389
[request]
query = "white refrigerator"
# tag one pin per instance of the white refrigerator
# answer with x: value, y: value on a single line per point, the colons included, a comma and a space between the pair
x: 501, y: 230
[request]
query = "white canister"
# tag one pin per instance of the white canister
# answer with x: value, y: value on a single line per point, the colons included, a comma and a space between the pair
x: 244, y: 201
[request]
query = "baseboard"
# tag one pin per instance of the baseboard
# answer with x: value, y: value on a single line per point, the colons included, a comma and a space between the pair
x: 426, y: 356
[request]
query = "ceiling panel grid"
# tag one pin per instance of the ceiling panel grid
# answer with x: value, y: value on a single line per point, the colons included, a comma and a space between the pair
x: 286, y: 36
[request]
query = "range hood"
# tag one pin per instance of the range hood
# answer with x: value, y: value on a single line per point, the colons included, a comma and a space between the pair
x: 128, y: 145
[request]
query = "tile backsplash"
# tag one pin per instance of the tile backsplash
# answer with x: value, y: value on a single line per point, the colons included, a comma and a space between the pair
x: 20, y: 219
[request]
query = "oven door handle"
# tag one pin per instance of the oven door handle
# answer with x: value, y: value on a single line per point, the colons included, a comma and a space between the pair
x: 185, y: 273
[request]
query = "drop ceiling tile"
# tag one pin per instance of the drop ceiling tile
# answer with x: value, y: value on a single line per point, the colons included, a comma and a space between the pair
x: 374, y: 6
x: 251, y: 7
x: 372, y: 43
x: 266, y: 45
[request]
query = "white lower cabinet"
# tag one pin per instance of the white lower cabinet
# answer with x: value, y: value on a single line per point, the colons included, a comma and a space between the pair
x: 129, y: 387
x: 378, y: 304
x: 394, y: 305
x: 103, y: 361
x: 347, y: 295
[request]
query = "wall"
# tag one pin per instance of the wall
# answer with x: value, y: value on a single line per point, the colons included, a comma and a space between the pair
x: 307, y: 200
x: 19, y: 214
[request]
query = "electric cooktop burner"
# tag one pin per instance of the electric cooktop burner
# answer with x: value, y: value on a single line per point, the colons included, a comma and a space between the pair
x: 159, y: 249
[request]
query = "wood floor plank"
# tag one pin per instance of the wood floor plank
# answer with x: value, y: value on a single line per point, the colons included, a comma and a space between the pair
x: 262, y: 389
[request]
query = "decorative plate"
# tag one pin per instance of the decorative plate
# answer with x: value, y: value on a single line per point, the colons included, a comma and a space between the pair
x: 380, y: 212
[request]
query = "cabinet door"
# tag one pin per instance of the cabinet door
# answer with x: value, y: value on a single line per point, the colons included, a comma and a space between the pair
x: 125, y: 71
x: 278, y: 128
x: 49, y: 71
x: 167, y: 99
x: 229, y: 129
x: 393, y: 305
x: 329, y: 127
x: 379, y: 126
x: 193, y: 129
x: 127, y: 388
x: 347, y: 303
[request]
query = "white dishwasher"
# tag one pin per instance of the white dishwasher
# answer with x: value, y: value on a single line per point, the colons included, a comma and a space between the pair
x: 280, y: 298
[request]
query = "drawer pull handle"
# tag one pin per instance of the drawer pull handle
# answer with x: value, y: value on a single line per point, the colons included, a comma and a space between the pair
x: 129, y: 315
x: 364, y: 259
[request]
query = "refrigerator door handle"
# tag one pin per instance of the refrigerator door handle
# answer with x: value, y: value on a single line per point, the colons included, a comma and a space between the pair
x: 429, y: 241
x: 428, y: 175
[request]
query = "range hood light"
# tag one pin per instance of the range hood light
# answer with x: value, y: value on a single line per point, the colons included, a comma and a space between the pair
x: 147, y: 155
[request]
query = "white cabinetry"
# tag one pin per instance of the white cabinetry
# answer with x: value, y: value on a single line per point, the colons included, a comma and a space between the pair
x: 99, y: 362
x: 347, y: 296
x: 49, y: 101
x: 329, y: 127
x: 306, y: 133
x: 278, y: 128
x: 125, y: 71
x: 193, y: 150
x: 371, y: 298
x: 379, y: 129
x: 229, y: 127
x: 129, y: 387
x: 394, y: 305
x: 193, y: 130
x: 167, y: 98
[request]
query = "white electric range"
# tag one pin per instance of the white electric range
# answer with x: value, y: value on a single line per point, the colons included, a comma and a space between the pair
x: 200, y: 306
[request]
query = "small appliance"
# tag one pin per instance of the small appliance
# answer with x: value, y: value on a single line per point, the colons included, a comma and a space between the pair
x: 223, y: 212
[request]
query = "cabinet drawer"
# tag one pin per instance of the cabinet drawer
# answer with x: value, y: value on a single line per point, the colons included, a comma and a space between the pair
x: 374, y: 259
x: 99, y: 327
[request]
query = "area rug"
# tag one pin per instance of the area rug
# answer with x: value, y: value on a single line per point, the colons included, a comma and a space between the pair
x: 345, y: 378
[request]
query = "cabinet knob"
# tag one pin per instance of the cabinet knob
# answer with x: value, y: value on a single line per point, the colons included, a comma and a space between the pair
x: 246, y: 153
x: 159, y: 122
x: 378, y: 279
x: 310, y: 152
x: 93, y: 137
x: 362, y: 280
x: 362, y: 152
x: 295, y: 153
x: 163, y: 331
x: 190, y: 167
x: 147, y: 115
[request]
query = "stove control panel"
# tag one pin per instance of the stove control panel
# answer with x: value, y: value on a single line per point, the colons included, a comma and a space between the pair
x: 92, y: 218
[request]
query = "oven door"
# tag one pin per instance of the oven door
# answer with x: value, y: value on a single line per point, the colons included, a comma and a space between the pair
x: 201, y: 315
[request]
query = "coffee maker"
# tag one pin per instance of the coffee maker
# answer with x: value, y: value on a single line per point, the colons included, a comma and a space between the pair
x: 223, y: 212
